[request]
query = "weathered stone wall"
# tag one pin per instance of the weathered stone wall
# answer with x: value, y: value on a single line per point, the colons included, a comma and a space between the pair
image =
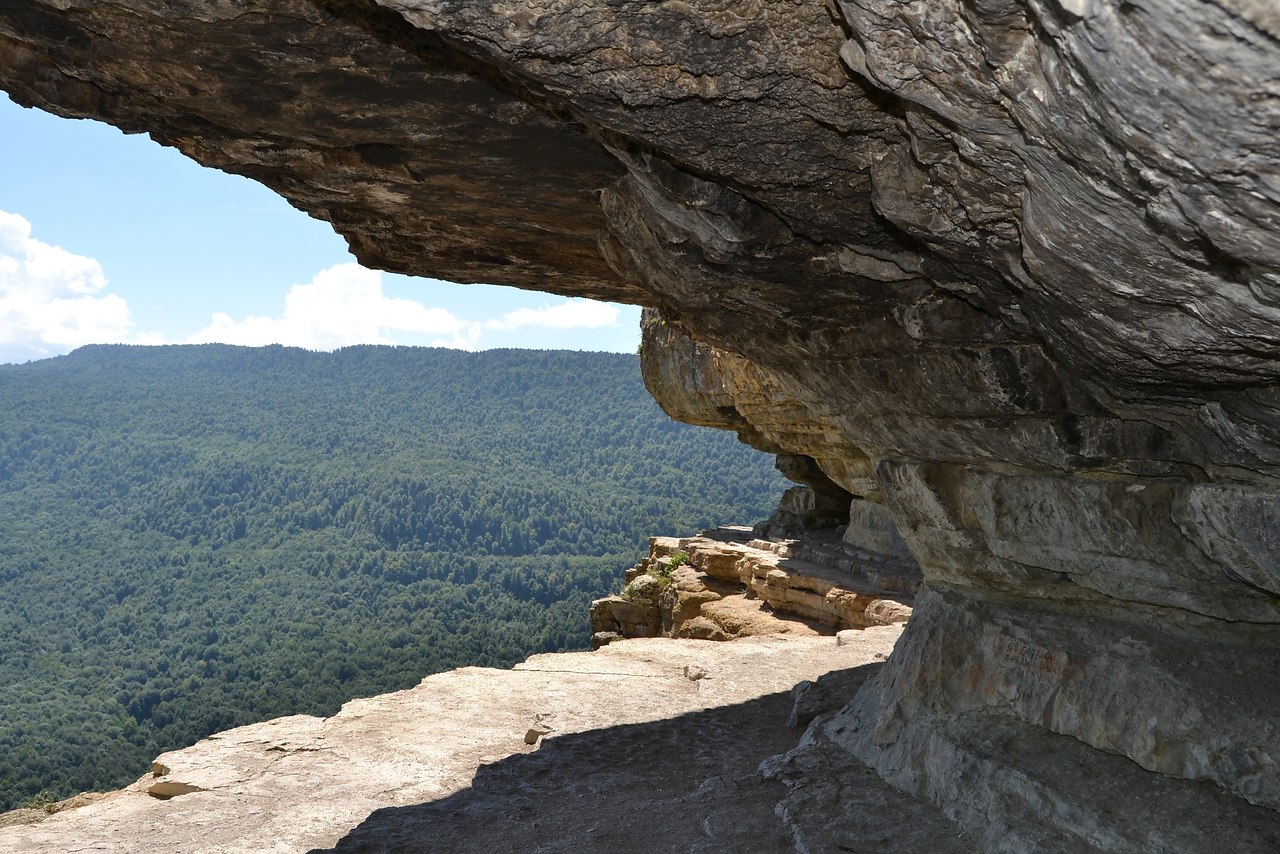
x: 725, y: 584
x: 1007, y: 268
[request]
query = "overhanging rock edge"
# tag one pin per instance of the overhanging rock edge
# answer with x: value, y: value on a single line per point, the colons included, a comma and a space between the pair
x: 1011, y: 270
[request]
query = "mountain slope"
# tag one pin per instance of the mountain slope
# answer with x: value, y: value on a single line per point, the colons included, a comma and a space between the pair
x: 193, y: 538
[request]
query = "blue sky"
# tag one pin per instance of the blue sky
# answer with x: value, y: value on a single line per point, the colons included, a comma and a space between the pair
x: 109, y: 238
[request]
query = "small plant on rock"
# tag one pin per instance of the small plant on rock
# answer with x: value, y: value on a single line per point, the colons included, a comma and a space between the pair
x: 644, y: 590
x: 43, y: 801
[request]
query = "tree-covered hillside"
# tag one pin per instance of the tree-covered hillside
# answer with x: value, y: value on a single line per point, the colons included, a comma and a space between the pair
x: 193, y: 538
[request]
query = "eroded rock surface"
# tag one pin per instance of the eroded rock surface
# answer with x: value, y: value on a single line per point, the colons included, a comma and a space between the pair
x: 725, y: 584
x: 1007, y: 271
x: 638, y: 729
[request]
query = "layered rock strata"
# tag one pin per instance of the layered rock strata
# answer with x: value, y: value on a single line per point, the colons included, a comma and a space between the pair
x: 724, y: 584
x: 1007, y: 271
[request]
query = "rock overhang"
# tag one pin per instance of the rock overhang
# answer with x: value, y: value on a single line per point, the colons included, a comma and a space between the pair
x: 1008, y: 268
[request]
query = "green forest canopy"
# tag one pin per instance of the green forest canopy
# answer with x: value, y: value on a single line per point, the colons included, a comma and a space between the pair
x: 198, y: 537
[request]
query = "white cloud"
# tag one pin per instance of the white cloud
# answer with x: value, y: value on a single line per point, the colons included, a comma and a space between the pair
x: 345, y: 305
x: 465, y: 339
x: 50, y: 299
x: 342, y: 305
x: 569, y: 314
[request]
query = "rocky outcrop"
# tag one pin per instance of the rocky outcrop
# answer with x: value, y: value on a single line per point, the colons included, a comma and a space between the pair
x: 640, y: 729
x: 1007, y: 271
x: 725, y: 584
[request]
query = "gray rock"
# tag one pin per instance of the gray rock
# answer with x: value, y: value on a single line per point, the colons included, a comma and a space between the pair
x: 600, y: 639
x: 1008, y: 270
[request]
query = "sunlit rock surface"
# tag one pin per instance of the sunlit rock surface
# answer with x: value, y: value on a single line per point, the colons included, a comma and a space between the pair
x: 1007, y: 271
x: 638, y: 730
x: 726, y: 584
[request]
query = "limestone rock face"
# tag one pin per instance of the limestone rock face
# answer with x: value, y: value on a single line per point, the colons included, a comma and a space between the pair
x: 1006, y: 270
x: 724, y: 585
x: 802, y: 509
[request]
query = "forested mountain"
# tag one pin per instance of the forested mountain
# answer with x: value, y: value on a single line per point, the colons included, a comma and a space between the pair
x: 193, y: 538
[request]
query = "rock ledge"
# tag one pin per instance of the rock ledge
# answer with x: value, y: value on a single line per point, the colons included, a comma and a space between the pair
x: 391, y: 772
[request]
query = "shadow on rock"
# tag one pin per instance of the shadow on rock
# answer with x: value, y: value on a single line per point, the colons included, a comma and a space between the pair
x: 687, y: 784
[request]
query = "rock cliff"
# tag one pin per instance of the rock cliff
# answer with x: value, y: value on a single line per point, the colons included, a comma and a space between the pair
x: 1005, y: 272
x: 725, y: 584
x: 576, y: 752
